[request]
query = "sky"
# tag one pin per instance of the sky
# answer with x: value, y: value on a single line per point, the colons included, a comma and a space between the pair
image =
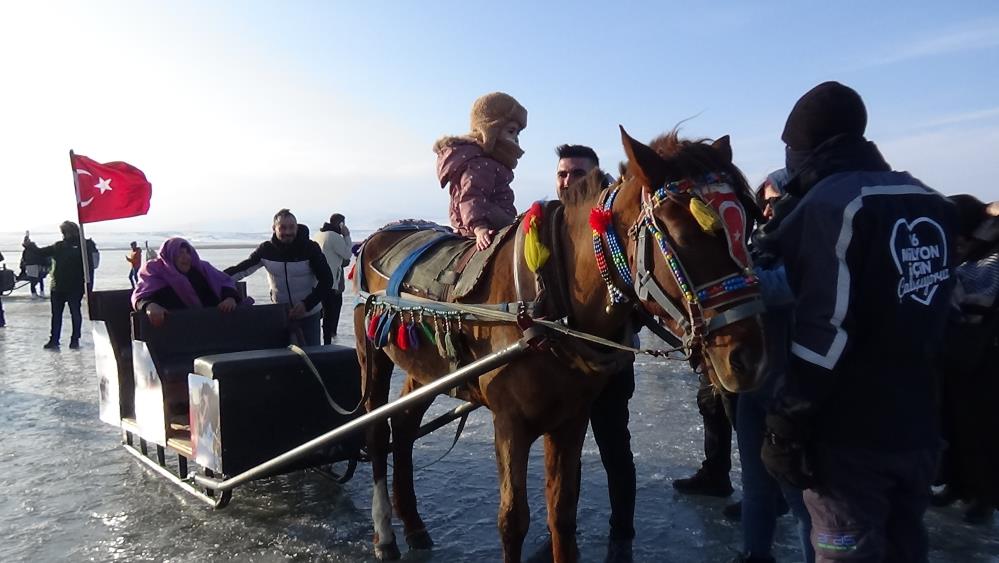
x: 236, y: 109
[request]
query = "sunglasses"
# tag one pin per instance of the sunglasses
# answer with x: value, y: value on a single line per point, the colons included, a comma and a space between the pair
x: 770, y: 201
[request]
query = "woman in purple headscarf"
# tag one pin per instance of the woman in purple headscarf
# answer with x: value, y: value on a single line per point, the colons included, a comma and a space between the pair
x: 179, y: 279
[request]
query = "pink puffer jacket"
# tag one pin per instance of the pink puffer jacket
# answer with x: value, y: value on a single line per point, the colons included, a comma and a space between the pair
x: 479, y: 186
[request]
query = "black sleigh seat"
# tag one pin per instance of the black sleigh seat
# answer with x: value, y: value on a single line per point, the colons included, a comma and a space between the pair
x: 189, y: 334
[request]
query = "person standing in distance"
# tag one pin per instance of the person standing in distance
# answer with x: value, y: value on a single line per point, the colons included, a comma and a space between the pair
x: 134, y: 258
x: 67, y: 286
x: 334, y: 239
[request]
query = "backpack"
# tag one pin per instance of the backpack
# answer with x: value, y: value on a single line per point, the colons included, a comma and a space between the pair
x: 95, y: 255
x: 6, y: 280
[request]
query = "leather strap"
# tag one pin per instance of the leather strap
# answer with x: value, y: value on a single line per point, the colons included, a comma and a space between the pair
x: 395, y: 282
x: 459, y: 267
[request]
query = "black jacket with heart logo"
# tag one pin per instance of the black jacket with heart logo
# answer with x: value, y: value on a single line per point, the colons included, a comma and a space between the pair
x: 869, y: 256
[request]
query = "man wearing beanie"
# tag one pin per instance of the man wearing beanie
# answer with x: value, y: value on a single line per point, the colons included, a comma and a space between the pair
x: 868, y: 253
x: 478, y: 167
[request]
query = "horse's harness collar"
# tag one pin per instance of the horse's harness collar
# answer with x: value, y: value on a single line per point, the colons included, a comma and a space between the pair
x: 740, y: 289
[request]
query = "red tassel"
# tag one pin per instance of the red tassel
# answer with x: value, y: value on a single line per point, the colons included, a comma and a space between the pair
x: 350, y: 274
x: 535, y: 212
x: 600, y: 219
x: 372, y: 326
x: 401, y: 339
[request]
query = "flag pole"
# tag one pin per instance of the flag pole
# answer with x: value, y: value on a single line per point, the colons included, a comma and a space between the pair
x: 83, y: 237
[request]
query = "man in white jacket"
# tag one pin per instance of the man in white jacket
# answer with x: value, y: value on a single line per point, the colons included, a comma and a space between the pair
x: 334, y: 239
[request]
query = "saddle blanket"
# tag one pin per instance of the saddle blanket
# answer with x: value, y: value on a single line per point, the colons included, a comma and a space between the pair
x: 448, y: 269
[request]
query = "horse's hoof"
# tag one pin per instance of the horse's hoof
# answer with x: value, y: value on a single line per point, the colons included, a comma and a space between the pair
x: 387, y: 551
x: 419, y: 540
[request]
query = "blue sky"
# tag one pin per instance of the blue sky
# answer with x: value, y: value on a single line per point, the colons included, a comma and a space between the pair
x: 236, y: 109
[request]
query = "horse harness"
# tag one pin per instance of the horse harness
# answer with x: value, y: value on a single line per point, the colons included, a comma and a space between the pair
x: 731, y: 298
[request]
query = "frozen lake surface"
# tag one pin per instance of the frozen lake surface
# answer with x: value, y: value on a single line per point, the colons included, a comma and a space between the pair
x: 69, y: 492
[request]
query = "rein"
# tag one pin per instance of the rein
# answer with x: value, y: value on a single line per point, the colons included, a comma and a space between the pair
x: 712, y: 296
x: 413, y: 304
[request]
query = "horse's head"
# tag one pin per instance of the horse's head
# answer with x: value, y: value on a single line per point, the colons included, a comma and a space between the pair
x: 683, y: 205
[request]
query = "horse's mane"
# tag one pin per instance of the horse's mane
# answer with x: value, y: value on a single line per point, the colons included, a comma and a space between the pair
x: 696, y: 157
x: 688, y: 158
x: 693, y: 158
x: 585, y: 189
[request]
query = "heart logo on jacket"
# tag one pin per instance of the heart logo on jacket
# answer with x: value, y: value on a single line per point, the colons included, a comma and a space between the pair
x: 919, y: 249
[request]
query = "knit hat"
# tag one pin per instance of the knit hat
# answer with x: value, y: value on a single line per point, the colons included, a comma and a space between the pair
x: 490, y: 113
x: 778, y: 179
x: 825, y: 111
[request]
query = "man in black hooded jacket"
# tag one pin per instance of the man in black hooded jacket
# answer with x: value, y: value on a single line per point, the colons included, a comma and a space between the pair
x: 868, y: 253
x: 67, y: 286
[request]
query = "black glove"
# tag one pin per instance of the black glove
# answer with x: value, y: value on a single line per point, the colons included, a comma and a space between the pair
x: 785, y: 452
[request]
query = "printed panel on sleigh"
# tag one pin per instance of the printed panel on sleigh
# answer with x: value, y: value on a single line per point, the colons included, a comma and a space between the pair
x: 111, y: 329
x: 250, y: 407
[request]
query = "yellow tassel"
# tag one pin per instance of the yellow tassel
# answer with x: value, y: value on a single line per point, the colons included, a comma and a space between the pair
x: 535, y: 253
x: 705, y: 215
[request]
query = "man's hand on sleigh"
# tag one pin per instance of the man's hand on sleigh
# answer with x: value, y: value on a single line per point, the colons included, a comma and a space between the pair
x: 297, y: 312
x: 483, y: 237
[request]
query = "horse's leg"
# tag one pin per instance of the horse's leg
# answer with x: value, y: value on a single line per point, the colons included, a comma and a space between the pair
x: 513, y: 443
x: 563, y: 447
x: 405, y: 427
x: 377, y: 438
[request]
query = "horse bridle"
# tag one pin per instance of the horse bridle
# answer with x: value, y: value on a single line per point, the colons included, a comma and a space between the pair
x: 716, y: 296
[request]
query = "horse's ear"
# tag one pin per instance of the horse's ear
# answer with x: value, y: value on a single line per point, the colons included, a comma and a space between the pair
x: 724, y: 148
x: 643, y: 162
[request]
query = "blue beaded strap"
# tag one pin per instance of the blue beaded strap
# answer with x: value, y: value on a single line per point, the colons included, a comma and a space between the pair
x: 671, y: 260
x: 732, y: 283
x: 683, y: 186
x: 614, y: 245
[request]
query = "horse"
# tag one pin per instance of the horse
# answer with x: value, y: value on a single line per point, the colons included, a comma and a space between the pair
x: 541, y: 395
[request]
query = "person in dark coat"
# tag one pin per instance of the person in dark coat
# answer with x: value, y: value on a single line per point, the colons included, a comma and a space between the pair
x: 67, y: 282
x: 969, y: 385
x: 3, y: 319
x: 609, y: 412
x: 868, y: 253
x: 764, y: 500
x: 34, y: 265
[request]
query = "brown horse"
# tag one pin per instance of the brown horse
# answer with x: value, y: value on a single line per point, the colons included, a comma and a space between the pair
x: 539, y: 395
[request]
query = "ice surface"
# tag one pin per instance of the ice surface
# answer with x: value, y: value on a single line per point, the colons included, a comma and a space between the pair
x: 69, y: 492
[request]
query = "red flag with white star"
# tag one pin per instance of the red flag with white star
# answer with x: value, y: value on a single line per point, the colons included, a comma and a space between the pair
x: 113, y: 190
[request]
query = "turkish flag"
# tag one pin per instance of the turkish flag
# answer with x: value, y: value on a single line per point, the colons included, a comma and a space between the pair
x: 113, y: 190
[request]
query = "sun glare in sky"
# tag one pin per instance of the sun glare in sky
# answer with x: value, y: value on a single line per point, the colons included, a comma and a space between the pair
x: 234, y: 111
